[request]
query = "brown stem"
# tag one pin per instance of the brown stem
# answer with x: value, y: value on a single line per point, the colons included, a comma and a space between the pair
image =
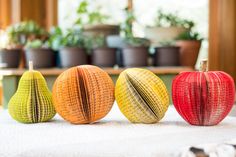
x: 204, y: 65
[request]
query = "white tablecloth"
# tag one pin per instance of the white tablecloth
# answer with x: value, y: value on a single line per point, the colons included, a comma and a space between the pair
x: 113, y: 136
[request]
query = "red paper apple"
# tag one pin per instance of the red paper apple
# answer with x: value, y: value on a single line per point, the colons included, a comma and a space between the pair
x: 204, y: 97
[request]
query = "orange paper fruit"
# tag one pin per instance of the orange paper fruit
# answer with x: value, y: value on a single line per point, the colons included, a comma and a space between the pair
x: 83, y: 94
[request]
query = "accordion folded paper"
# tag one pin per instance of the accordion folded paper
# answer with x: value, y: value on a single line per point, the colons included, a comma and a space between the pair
x: 32, y: 101
x: 141, y: 96
x: 83, y: 94
x: 205, y: 97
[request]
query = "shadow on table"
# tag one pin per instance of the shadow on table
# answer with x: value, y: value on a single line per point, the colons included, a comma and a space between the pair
x: 127, y: 123
x: 124, y: 123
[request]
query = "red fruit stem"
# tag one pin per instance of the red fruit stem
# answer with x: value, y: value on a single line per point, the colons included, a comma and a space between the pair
x: 204, y: 65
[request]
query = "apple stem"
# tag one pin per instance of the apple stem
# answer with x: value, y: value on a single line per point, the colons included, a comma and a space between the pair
x: 31, y: 66
x: 204, y: 65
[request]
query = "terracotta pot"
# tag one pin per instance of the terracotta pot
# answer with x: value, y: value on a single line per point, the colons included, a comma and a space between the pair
x: 72, y: 56
x: 167, y: 56
x: 189, y: 50
x: 101, y: 29
x: 104, y: 57
x: 41, y: 57
x: 10, y: 58
x: 135, y: 56
x: 159, y: 34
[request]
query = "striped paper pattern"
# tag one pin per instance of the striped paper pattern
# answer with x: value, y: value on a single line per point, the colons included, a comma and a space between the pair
x: 141, y: 96
x: 203, y: 98
x: 32, y: 101
x: 83, y: 94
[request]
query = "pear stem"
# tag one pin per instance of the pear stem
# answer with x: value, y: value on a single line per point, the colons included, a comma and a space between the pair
x: 204, y: 65
x: 31, y: 66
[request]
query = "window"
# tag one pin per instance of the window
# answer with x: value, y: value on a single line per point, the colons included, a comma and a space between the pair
x: 145, y: 12
x: 112, y: 8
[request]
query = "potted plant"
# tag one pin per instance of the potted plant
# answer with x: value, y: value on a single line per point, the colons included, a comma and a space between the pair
x: 39, y: 52
x: 119, y: 41
x: 20, y: 33
x: 9, y: 56
x: 190, y: 44
x: 136, y: 53
x: 70, y: 46
x: 166, y: 28
x: 135, y: 50
x: 102, y: 55
x: 167, y: 54
x: 92, y: 21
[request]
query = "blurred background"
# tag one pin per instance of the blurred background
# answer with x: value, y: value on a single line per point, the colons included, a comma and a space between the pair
x: 146, y: 14
x: 174, y: 35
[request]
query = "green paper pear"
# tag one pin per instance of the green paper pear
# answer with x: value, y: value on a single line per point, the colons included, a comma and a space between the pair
x: 32, y: 102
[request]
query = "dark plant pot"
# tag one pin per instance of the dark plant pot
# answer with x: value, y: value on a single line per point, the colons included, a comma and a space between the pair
x: 41, y: 57
x: 104, y: 57
x: 167, y: 56
x: 10, y: 58
x: 189, y: 50
x: 57, y: 57
x: 119, y: 58
x: 73, y: 56
x: 135, y: 56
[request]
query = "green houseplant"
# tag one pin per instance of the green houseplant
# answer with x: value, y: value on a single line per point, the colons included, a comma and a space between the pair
x: 92, y: 21
x: 18, y: 35
x: 40, y: 53
x: 22, y: 32
x: 9, y: 57
x: 71, y: 46
x: 102, y: 55
x: 136, y: 50
x: 119, y: 41
x: 136, y: 53
x: 167, y: 26
x: 190, y: 44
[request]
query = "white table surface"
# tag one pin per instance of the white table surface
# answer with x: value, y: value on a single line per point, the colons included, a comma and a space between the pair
x: 113, y: 136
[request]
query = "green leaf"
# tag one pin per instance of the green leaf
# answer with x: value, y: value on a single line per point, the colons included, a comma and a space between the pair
x: 82, y: 7
x: 172, y: 19
x: 189, y: 35
x: 34, y: 44
x: 86, y: 16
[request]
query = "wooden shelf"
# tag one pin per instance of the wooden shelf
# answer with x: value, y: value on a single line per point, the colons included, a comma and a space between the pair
x: 10, y: 77
x: 110, y: 71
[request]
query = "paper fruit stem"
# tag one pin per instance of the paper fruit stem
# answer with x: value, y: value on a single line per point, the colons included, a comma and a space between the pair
x: 31, y: 66
x: 204, y: 65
